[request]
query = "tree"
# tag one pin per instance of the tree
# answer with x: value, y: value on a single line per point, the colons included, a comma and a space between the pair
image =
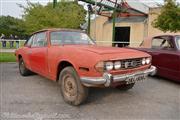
x: 169, y: 18
x: 10, y: 25
x: 64, y: 15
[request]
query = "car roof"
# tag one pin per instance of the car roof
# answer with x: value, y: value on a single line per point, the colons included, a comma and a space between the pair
x: 147, y: 41
x: 58, y: 29
x: 166, y: 36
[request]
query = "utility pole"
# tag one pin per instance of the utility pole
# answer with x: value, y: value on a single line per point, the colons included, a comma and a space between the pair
x: 89, y: 22
x: 54, y: 3
x: 113, y: 27
x: 90, y: 10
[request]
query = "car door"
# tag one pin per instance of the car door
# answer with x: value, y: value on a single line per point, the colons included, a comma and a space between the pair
x: 26, y: 49
x: 155, y: 51
x: 38, y: 54
x: 168, y: 58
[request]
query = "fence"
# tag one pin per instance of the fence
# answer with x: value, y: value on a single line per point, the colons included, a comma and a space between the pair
x: 100, y: 43
x: 12, y: 44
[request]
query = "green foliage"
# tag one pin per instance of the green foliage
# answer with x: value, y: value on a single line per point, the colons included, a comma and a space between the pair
x: 37, y: 16
x: 169, y: 19
x: 7, y: 57
x: 10, y: 25
x: 64, y: 15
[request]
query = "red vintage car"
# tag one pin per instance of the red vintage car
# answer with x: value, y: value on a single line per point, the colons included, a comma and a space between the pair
x: 165, y: 51
x: 72, y: 59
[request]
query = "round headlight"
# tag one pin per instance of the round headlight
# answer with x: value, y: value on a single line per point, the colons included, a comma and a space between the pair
x: 143, y: 61
x: 148, y: 60
x: 117, y: 65
x: 109, y: 66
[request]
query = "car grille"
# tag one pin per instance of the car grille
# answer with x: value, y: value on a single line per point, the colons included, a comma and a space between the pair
x: 131, y: 63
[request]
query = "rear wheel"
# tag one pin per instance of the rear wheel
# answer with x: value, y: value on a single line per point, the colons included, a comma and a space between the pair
x: 22, y: 68
x: 125, y: 86
x: 73, y: 92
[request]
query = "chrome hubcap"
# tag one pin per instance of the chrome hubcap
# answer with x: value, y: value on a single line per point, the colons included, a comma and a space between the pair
x: 70, y: 88
x: 22, y: 67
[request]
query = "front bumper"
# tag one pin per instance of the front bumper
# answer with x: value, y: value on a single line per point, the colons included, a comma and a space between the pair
x: 107, y: 78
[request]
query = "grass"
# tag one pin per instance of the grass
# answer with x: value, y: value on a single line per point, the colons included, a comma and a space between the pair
x: 8, y: 45
x: 7, y: 57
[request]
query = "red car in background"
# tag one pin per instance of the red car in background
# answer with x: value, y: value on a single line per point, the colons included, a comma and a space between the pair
x: 165, y: 51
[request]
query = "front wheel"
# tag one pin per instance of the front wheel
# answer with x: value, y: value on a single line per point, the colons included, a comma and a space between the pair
x: 22, y: 68
x: 72, y: 91
x: 125, y: 87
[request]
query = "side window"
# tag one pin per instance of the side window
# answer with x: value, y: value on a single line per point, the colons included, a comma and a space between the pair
x: 160, y: 43
x: 63, y: 37
x: 56, y: 38
x: 156, y: 43
x: 40, y: 40
x: 29, y: 42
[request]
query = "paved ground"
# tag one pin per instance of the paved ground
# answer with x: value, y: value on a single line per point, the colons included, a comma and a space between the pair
x: 37, y: 98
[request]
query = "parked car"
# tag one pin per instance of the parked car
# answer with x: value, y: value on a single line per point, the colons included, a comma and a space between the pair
x: 72, y: 59
x: 165, y: 51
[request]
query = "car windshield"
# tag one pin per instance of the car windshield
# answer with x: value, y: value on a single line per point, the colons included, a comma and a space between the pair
x: 64, y: 37
x: 178, y: 41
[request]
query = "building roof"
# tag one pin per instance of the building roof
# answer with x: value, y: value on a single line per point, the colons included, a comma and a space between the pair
x: 131, y: 19
x: 139, y: 6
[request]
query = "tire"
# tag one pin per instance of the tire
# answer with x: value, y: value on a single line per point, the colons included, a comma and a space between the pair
x: 22, y: 68
x: 125, y: 87
x: 72, y: 91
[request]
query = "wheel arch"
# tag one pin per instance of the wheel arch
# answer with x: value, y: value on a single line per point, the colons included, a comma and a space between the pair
x: 19, y: 56
x: 61, y: 66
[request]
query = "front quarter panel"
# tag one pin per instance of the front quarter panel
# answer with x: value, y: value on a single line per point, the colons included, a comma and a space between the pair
x: 79, y: 59
x: 84, y: 62
x: 23, y: 52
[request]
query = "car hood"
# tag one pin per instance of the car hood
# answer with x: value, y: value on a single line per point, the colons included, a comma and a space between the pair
x: 102, y: 50
x: 106, y: 53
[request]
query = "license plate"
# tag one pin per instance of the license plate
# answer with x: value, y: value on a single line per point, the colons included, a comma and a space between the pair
x: 135, y: 79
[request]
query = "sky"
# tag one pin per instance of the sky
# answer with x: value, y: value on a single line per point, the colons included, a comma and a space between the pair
x: 10, y: 7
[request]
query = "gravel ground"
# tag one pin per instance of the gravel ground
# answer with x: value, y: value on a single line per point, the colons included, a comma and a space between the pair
x: 37, y: 98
